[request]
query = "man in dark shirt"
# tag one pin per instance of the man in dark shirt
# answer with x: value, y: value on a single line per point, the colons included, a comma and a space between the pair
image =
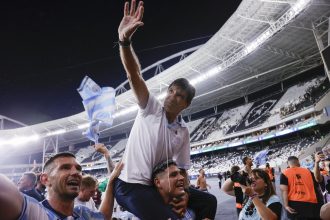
x: 26, y: 185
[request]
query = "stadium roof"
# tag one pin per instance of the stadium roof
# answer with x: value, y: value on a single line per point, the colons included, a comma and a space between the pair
x: 263, y: 43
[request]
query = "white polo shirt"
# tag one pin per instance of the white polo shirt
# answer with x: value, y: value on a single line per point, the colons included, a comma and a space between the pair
x: 151, y: 141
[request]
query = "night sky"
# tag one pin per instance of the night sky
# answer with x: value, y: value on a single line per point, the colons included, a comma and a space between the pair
x: 47, y: 47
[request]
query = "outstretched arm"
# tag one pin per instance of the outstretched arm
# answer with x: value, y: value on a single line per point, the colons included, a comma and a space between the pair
x: 131, y: 21
x: 11, y: 200
x: 103, y: 150
x: 106, y: 206
x: 228, y: 187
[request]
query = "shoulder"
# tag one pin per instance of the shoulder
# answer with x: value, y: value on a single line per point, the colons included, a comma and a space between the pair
x: 86, y: 213
x: 153, y: 106
x: 32, y: 209
x: 273, y: 199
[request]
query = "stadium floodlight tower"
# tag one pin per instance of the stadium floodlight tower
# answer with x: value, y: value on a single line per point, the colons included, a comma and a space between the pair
x: 50, y: 146
x: 322, y: 37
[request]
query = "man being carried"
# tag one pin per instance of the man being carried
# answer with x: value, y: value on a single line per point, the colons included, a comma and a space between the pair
x: 158, y: 134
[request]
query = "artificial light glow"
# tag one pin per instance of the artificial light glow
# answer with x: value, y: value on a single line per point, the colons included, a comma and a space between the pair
x: 82, y: 126
x: 61, y: 131
x: 126, y: 111
x: 19, y: 140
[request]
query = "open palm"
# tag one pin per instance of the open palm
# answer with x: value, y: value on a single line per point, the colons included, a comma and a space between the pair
x: 131, y: 21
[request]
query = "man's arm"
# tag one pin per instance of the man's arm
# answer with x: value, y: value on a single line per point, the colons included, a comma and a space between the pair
x: 103, y: 150
x: 284, y: 189
x: 198, y: 182
x: 11, y: 200
x: 107, y: 203
x: 317, y: 172
x: 228, y: 187
x: 130, y: 22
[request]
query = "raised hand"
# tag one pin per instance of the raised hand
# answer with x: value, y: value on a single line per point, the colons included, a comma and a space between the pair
x: 131, y: 21
x: 101, y: 148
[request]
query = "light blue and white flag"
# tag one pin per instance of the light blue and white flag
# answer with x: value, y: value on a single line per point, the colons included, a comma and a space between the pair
x: 99, y: 104
x: 260, y: 157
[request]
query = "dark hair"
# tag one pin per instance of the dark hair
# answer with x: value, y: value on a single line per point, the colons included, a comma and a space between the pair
x: 54, y: 157
x: 292, y: 158
x: 267, y: 165
x: 269, y: 190
x: 245, y: 159
x: 32, y: 176
x: 161, y: 167
x: 186, y: 86
x: 234, y: 169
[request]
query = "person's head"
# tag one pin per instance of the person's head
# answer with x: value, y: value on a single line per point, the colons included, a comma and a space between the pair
x: 325, y: 211
x: 234, y: 169
x: 261, y: 184
x: 267, y: 165
x: 179, y: 96
x: 327, y: 164
x: 293, y: 161
x: 168, y: 180
x: 39, y: 185
x: 62, y: 176
x: 27, y: 181
x: 87, y: 188
x: 201, y: 172
x: 247, y: 161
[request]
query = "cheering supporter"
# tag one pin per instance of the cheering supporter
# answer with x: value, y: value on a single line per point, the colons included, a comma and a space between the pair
x: 262, y: 201
x: 26, y: 185
x: 87, y: 191
x: 62, y: 177
x: 165, y: 135
x: 299, y: 191
x: 170, y: 186
x: 323, y: 178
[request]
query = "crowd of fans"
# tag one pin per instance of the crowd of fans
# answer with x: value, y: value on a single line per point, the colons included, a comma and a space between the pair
x: 313, y: 93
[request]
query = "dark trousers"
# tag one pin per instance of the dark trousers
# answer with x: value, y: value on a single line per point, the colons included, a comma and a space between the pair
x: 146, y: 203
x: 203, y: 204
x: 305, y: 211
x: 141, y: 200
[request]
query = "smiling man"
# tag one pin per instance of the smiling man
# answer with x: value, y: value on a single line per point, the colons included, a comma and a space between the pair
x: 170, y: 185
x: 62, y: 177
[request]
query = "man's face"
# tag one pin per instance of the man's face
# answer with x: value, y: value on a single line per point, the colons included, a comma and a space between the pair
x: 24, y: 183
x: 65, y: 178
x: 175, y: 100
x: 171, y: 182
x: 249, y: 161
x: 86, y: 193
x: 201, y: 172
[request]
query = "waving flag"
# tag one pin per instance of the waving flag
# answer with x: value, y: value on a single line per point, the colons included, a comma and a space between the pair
x: 261, y: 157
x: 99, y: 104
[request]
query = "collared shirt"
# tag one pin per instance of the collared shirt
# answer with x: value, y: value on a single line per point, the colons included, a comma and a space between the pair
x: 153, y: 140
x: 33, y: 210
